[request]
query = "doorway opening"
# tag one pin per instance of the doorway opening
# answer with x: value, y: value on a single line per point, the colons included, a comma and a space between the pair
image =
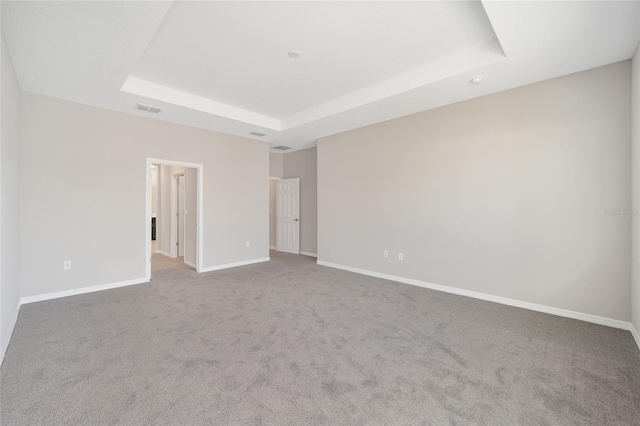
x: 174, y: 218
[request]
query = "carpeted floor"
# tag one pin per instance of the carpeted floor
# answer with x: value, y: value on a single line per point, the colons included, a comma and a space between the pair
x: 288, y: 342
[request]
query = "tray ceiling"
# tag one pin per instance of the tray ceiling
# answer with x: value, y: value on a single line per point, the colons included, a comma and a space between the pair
x: 225, y: 66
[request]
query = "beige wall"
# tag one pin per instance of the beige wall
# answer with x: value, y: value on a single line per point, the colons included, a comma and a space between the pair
x: 9, y: 198
x: 275, y: 170
x: 303, y: 164
x: 503, y: 194
x: 69, y: 151
x: 272, y: 213
x: 275, y: 164
x: 635, y: 83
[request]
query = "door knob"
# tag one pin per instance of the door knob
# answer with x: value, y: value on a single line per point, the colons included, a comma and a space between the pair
x: 295, y: 220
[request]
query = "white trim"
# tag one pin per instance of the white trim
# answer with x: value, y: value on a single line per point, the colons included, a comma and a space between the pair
x: 145, y: 88
x: 314, y: 144
x: 306, y: 253
x: 7, y: 339
x: 274, y: 178
x: 164, y: 253
x: 233, y: 265
x: 272, y: 247
x: 488, y: 297
x: 193, y: 265
x: 635, y: 334
x: 200, y: 184
x: 83, y: 290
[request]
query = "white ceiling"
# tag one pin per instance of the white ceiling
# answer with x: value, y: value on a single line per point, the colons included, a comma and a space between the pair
x: 236, y: 53
x: 223, y: 65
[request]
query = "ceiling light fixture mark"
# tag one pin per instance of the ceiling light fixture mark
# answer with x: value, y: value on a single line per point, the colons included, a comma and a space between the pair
x: 477, y: 79
x: 294, y: 54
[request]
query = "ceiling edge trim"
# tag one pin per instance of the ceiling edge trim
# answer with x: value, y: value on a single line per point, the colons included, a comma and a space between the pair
x: 159, y: 92
x: 454, y: 64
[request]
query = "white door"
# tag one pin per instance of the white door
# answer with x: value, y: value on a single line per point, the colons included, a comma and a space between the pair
x: 288, y: 216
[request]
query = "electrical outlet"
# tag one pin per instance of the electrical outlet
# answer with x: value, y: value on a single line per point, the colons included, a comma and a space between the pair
x: 248, y: 243
x: 400, y: 256
x: 385, y: 253
x: 67, y: 265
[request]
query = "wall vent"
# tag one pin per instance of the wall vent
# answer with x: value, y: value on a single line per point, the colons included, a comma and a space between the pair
x: 282, y: 147
x: 258, y: 134
x: 148, y: 108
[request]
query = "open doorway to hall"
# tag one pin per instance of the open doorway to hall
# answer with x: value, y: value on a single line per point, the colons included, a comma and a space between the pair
x: 174, y: 212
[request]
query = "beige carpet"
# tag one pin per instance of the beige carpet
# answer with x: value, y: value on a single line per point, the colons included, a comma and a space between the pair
x: 291, y: 343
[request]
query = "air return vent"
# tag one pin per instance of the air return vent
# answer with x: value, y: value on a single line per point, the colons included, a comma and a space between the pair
x: 282, y: 147
x: 258, y: 134
x: 148, y: 108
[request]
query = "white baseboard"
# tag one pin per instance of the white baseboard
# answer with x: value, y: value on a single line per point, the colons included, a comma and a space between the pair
x: 193, y: 265
x: 635, y: 335
x: 233, y: 265
x: 304, y: 253
x: 7, y: 339
x: 163, y: 253
x: 491, y: 298
x: 83, y: 290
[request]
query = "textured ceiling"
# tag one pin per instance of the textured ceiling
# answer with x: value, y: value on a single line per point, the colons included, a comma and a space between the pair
x: 224, y: 65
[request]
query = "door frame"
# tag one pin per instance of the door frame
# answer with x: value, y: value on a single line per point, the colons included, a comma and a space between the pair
x: 200, y: 216
x: 175, y: 222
